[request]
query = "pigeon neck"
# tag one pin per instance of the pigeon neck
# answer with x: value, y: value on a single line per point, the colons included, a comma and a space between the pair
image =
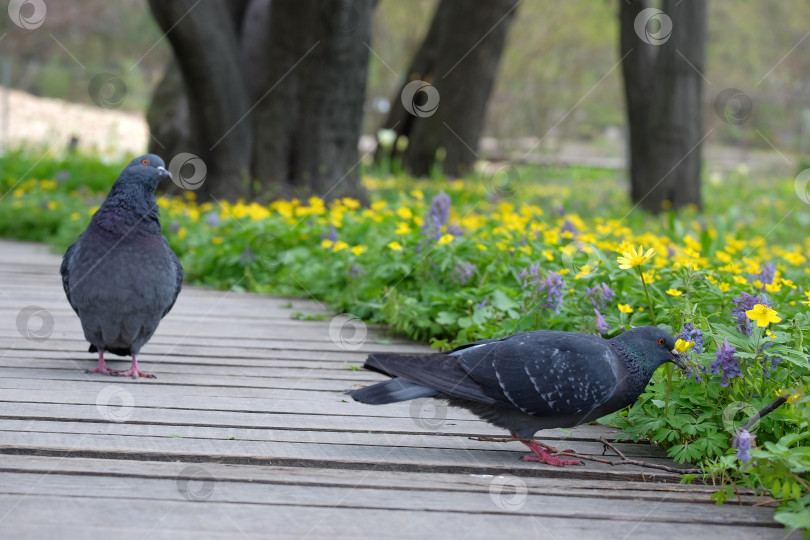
x: 639, y: 370
x: 131, y: 204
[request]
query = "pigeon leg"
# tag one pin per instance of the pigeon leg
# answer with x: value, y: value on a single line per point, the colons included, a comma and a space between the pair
x: 101, y: 367
x: 134, y: 372
x: 541, y: 453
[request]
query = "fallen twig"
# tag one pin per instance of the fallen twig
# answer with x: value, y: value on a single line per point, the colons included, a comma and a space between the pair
x: 772, y: 406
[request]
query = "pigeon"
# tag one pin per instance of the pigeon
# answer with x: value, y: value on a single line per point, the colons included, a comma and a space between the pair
x: 529, y: 381
x: 120, y: 276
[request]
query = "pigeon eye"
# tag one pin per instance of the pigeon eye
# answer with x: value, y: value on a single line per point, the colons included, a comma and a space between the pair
x: 145, y: 162
x: 661, y: 341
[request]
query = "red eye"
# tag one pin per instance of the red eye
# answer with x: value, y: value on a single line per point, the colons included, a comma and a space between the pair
x: 661, y: 341
x: 145, y: 161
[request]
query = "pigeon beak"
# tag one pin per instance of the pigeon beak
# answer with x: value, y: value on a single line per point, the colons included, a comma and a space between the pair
x: 164, y: 172
x: 678, y: 360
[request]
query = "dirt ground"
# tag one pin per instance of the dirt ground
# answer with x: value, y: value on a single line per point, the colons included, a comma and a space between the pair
x: 43, y: 122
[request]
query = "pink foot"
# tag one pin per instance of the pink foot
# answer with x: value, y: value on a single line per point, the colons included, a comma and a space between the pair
x: 101, y: 367
x: 541, y: 455
x: 134, y: 372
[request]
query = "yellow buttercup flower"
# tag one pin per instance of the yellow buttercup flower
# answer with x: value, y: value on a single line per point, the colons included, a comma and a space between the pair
x: 633, y: 258
x: 217, y: 240
x: 396, y: 246
x: 674, y: 292
x: 340, y: 245
x: 326, y: 243
x: 683, y: 345
x: 404, y: 212
x: 446, y: 239
x: 763, y: 315
x: 181, y: 233
x: 724, y: 287
x: 625, y: 308
x: 359, y: 250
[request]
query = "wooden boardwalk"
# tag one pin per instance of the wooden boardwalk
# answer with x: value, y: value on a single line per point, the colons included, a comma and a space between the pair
x: 246, y: 433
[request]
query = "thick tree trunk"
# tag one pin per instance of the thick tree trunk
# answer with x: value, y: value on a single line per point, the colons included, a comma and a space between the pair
x: 663, y: 94
x: 308, y: 119
x: 205, y: 43
x: 459, y: 57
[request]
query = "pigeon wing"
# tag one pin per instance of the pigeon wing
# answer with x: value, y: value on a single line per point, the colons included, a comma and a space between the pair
x: 65, y: 271
x: 546, y: 373
x: 179, y: 275
x: 440, y: 372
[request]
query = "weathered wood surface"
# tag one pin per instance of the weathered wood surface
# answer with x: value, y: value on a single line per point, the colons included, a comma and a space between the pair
x: 247, y: 432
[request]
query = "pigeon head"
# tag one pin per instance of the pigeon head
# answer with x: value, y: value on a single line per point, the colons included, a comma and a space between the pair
x: 146, y: 171
x: 650, y: 346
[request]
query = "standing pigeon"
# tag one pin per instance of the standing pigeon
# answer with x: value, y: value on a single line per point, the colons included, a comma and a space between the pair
x: 120, y: 276
x: 529, y: 381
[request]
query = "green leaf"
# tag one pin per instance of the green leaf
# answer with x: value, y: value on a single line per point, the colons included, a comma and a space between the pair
x: 503, y: 302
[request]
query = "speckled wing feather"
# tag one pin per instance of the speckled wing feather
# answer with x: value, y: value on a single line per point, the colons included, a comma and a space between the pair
x: 545, y: 373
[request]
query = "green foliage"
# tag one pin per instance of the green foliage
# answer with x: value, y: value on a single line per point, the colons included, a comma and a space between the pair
x: 531, y: 261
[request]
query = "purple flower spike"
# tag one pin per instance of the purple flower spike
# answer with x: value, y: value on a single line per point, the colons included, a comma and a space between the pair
x: 744, y: 446
x: 602, y: 326
x: 726, y: 362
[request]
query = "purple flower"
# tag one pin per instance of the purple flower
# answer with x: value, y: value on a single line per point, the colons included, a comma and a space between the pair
x: 744, y: 446
x: 569, y: 227
x: 437, y: 216
x: 696, y: 373
x: 690, y: 333
x: 766, y: 274
x: 455, y: 229
x: 726, y: 362
x: 769, y: 365
x: 600, y: 295
x: 551, y: 286
x: 602, y: 326
x: 743, y: 303
x: 481, y: 304
x: 212, y: 219
x: 463, y: 272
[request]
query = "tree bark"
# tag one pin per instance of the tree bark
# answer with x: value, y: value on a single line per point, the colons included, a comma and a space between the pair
x: 663, y: 94
x: 205, y: 44
x: 459, y: 57
x: 308, y: 119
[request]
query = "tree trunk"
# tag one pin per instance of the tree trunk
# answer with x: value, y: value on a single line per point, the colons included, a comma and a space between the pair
x: 663, y: 93
x: 459, y: 57
x: 205, y: 44
x: 308, y: 119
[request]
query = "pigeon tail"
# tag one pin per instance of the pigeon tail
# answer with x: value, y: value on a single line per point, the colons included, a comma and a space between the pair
x: 392, y: 391
x: 122, y: 351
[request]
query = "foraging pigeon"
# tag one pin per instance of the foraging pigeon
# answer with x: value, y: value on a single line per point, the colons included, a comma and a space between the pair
x: 529, y: 381
x: 120, y: 276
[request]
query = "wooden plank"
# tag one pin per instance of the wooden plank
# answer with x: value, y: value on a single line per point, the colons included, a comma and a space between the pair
x: 38, y: 516
x: 536, y: 504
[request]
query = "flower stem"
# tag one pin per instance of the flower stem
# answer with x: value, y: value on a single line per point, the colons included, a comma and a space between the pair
x: 647, y: 294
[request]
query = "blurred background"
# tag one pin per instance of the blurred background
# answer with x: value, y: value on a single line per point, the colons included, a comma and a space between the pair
x: 534, y: 81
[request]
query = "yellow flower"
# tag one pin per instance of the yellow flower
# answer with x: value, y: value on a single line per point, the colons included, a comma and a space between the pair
x: 741, y: 280
x: 217, y: 240
x: 403, y: 228
x: 807, y: 294
x: 326, y: 243
x: 625, y: 308
x: 446, y: 239
x: 181, y: 233
x: 404, y: 212
x: 52, y: 205
x: 359, y: 250
x: 75, y: 216
x: 674, y: 292
x: 378, y: 205
x: 417, y: 193
x: 683, y: 346
x: 340, y: 245
x: 724, y: 287
x: 633, y: 258
x: 763, y: 315
x: 395, y: 246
